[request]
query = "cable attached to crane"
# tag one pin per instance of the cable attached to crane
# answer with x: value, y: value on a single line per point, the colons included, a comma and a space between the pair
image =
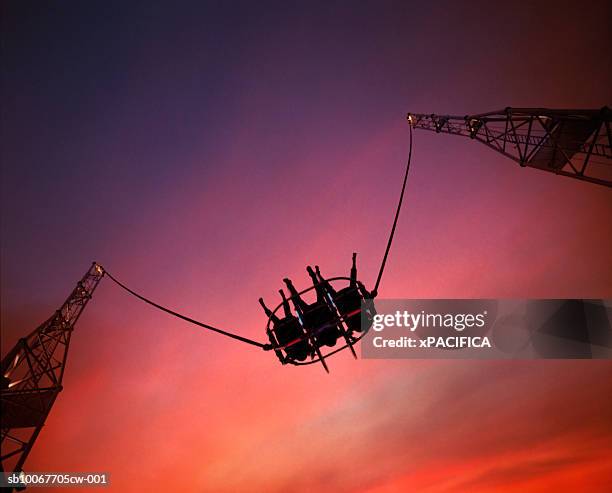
x: 397, y: 212
x: 267, y: 347
x: 188, y: 319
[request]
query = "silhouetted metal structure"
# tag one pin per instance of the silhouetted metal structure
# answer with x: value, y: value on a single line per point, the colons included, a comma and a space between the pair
x: 32, y: 374
x: 574, y: 143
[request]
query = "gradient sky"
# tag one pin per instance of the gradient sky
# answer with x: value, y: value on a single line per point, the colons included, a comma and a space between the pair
x: 202, y: 152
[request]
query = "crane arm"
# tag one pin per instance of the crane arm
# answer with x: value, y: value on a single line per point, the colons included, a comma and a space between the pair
x: 574, y: 143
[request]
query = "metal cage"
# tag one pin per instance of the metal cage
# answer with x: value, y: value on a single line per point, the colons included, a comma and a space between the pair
x: 309, y: 334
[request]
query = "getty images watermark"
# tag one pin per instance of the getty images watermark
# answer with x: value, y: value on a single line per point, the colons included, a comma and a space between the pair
x: 488, y: 329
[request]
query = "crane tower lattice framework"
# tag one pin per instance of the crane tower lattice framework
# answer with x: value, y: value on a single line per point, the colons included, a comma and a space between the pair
x: 32, y: 373
x: 573, y: 143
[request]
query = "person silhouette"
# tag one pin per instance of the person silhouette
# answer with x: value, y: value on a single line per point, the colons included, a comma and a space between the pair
x: 317, y: 318
x: 288, y: 332
x: 348, y: 300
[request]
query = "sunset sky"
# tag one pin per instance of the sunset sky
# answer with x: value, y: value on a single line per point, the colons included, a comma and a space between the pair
x: 203, y: 151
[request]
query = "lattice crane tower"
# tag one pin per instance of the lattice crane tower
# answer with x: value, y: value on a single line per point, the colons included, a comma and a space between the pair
x: 574, y: 143
x: 32, y: 372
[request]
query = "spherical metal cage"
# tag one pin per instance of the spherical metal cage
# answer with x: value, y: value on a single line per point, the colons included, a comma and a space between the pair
x: 347, y: 324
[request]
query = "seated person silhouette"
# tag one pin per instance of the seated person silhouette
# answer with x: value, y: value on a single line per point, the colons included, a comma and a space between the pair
x: 348, y: 300
x: 318, y: 318
x: 288, y: 332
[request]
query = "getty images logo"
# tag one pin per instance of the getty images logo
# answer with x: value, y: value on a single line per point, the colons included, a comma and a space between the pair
x: 418, y: 326
x: 489, y: 329
x: 413, y: 321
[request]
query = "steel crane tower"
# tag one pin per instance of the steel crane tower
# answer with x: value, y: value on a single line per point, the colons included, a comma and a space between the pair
x: 31, y: 375
x: 574, y: 143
